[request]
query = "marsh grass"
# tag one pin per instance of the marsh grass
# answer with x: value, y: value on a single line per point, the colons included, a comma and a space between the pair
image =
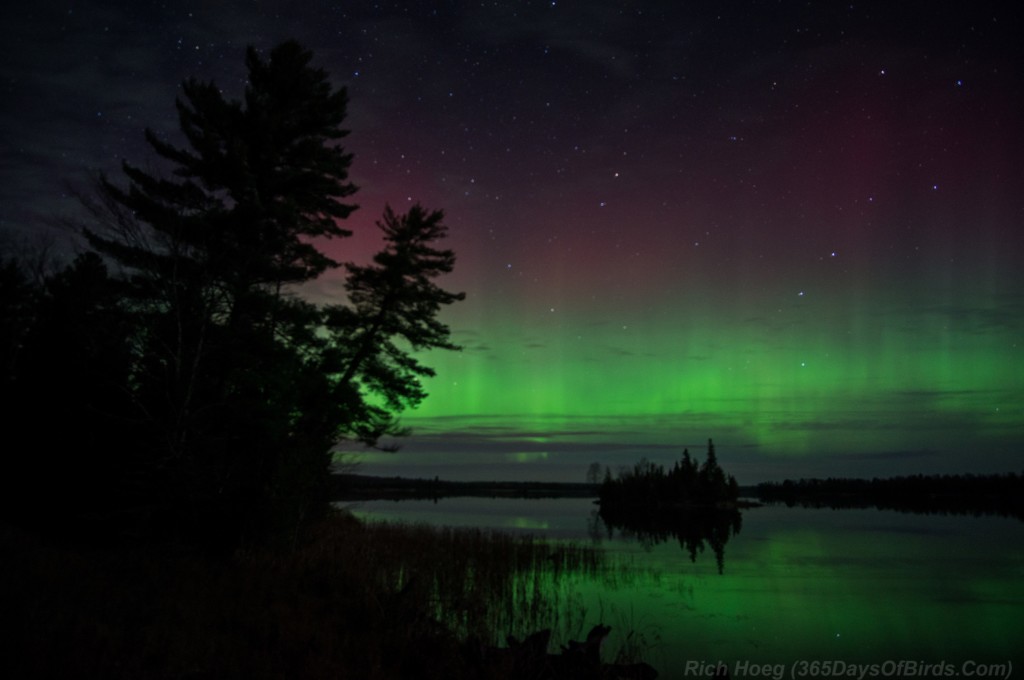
x: 352, y: 599
x: 478, y: 583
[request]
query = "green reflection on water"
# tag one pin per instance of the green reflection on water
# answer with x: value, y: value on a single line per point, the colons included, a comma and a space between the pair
x: 860, y: 586
x: 875, y: 586
x: 528, y: 523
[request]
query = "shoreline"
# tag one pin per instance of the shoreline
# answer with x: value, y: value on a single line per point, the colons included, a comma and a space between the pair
x: 352, y: 487
x: 975, y: 495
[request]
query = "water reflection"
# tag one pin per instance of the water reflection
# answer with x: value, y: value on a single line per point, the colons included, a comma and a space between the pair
x: 694, y: 528
x: 862, y: 586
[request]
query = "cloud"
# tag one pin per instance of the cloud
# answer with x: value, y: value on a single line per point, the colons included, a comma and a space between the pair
x: 893, y: 455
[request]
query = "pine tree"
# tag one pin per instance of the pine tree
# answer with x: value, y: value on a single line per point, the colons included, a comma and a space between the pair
x: 66, y: 397
x: 394, y: 310
x: 258, y: 180
x: 244, y: 387
x: 218, y: 244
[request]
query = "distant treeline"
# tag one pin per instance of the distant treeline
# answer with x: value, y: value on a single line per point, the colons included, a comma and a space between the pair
x: 968, y: 494
x: 348, y: 487
x: 646, y: 489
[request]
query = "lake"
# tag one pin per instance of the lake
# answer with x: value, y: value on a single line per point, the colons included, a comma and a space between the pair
x: 873, y: 593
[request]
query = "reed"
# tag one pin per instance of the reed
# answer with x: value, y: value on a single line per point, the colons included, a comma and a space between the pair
x: 477, y: 583
x: 352, y: 599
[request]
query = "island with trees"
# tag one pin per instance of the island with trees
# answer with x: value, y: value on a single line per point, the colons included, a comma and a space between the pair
x: 686, y: 484
x: 695, y: 504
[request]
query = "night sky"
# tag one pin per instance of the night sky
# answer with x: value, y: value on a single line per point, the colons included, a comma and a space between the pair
x: 793, y: 227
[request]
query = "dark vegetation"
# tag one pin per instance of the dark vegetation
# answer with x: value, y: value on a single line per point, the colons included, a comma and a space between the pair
x: 529, y: 658
x: 1001, y: 494
x: 369, y: 601
x: 172, y: 403
x: 170, y: 383
x: 172, y: 406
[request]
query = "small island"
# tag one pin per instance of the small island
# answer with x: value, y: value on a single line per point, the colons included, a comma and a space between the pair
x: 696, y: 505
x: 687, y: 485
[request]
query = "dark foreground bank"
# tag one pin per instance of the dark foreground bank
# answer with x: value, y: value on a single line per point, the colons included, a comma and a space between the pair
x: 350, y: 600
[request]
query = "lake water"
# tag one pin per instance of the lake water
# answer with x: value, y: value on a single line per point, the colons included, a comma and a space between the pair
x: 855, y: 588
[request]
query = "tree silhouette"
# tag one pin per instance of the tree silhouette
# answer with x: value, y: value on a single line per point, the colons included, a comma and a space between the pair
x: 211, y: 251
x: 648, y: 484
x: 65, y: 389
x: 233, y: 388
x: 695, y: 504
x: 393, y: 301
x: 999, y: 494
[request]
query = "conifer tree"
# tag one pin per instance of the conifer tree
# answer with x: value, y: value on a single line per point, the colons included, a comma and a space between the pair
x: 393, y: 314
x: 240, y: 386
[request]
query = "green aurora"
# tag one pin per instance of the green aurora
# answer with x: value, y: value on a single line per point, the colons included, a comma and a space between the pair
x: 794, y: 228
x: 879, y: 386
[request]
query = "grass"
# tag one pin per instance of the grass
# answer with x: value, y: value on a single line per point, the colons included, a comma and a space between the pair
x: 354, y: 599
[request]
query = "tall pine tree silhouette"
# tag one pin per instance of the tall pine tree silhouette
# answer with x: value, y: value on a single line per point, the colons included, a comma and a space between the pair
x: 243, y: 387
x: 394, y: 310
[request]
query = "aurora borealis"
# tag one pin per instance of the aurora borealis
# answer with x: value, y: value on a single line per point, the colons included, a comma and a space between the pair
x: 793, y: 228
